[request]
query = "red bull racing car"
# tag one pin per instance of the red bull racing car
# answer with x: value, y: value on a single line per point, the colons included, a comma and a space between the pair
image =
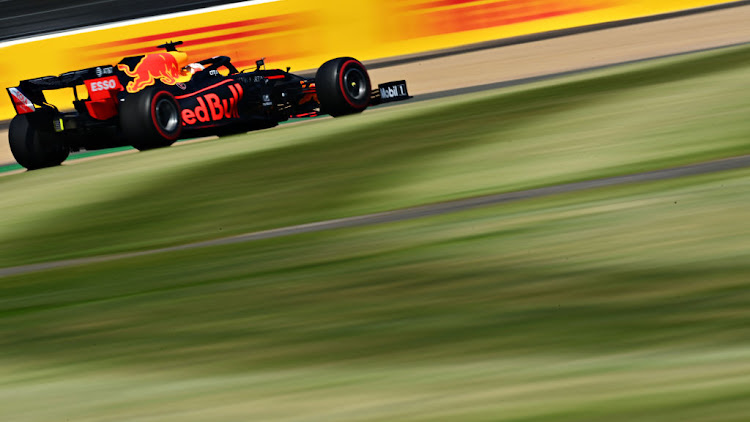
x: 151, y: 101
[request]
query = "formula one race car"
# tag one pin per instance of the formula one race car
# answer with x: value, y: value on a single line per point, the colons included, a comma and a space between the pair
x: 153, y: 100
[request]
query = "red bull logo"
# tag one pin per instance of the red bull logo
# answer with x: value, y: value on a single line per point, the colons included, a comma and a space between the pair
x: 212, y: 108
x: 162, y: 66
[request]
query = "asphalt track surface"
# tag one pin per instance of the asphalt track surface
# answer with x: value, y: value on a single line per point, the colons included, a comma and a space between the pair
x: 5, y: 157
x: 437, y: 208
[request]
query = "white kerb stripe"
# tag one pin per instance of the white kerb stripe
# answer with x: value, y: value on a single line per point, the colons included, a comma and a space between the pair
x: 134, y: 22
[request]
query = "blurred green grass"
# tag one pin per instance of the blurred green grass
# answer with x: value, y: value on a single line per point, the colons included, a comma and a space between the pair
x: 619, y: 304
x: 622, y: 303
x: 619, y: 121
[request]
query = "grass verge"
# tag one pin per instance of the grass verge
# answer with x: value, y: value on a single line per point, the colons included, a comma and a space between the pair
x: 619, y: 121
x: 617, y: 304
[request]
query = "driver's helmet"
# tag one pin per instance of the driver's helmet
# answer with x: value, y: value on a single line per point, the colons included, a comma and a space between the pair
x: 193, y: 68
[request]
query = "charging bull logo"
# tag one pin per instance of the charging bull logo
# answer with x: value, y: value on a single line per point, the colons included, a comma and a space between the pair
x: 161, y: 66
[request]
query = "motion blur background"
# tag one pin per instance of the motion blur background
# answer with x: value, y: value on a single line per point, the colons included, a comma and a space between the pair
x: 609, y: 294
x: 297, y: 33
x: 26, y: 18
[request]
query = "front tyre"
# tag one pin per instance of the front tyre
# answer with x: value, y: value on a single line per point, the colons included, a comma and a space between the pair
x: 32, y: 146
x: 150, y: 119
x: 343, y: 86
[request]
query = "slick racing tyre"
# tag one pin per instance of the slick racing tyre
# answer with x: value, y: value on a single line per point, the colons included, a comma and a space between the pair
x: 150, y: 119
x: 34, y: 147
x: 343, y: 87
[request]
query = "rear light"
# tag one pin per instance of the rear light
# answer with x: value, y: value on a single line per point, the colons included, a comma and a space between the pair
x: 22, y: 104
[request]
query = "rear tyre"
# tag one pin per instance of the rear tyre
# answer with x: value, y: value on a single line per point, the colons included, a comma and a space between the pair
x: 150, y: 119
x: 343, y: 87
x: 34, y: 147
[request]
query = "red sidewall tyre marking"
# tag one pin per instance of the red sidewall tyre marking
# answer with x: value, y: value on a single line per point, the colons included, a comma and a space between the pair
x: 342, y: 71
x: 154, y: 101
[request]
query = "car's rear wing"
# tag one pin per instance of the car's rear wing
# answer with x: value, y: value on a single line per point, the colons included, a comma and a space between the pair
x: 28, y: 96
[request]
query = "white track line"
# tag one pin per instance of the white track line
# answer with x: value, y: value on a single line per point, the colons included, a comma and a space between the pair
x: 120, y: 24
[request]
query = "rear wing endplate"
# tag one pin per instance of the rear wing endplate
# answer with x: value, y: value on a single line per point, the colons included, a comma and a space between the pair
x: 29, y: 94
x: 21, y: 103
